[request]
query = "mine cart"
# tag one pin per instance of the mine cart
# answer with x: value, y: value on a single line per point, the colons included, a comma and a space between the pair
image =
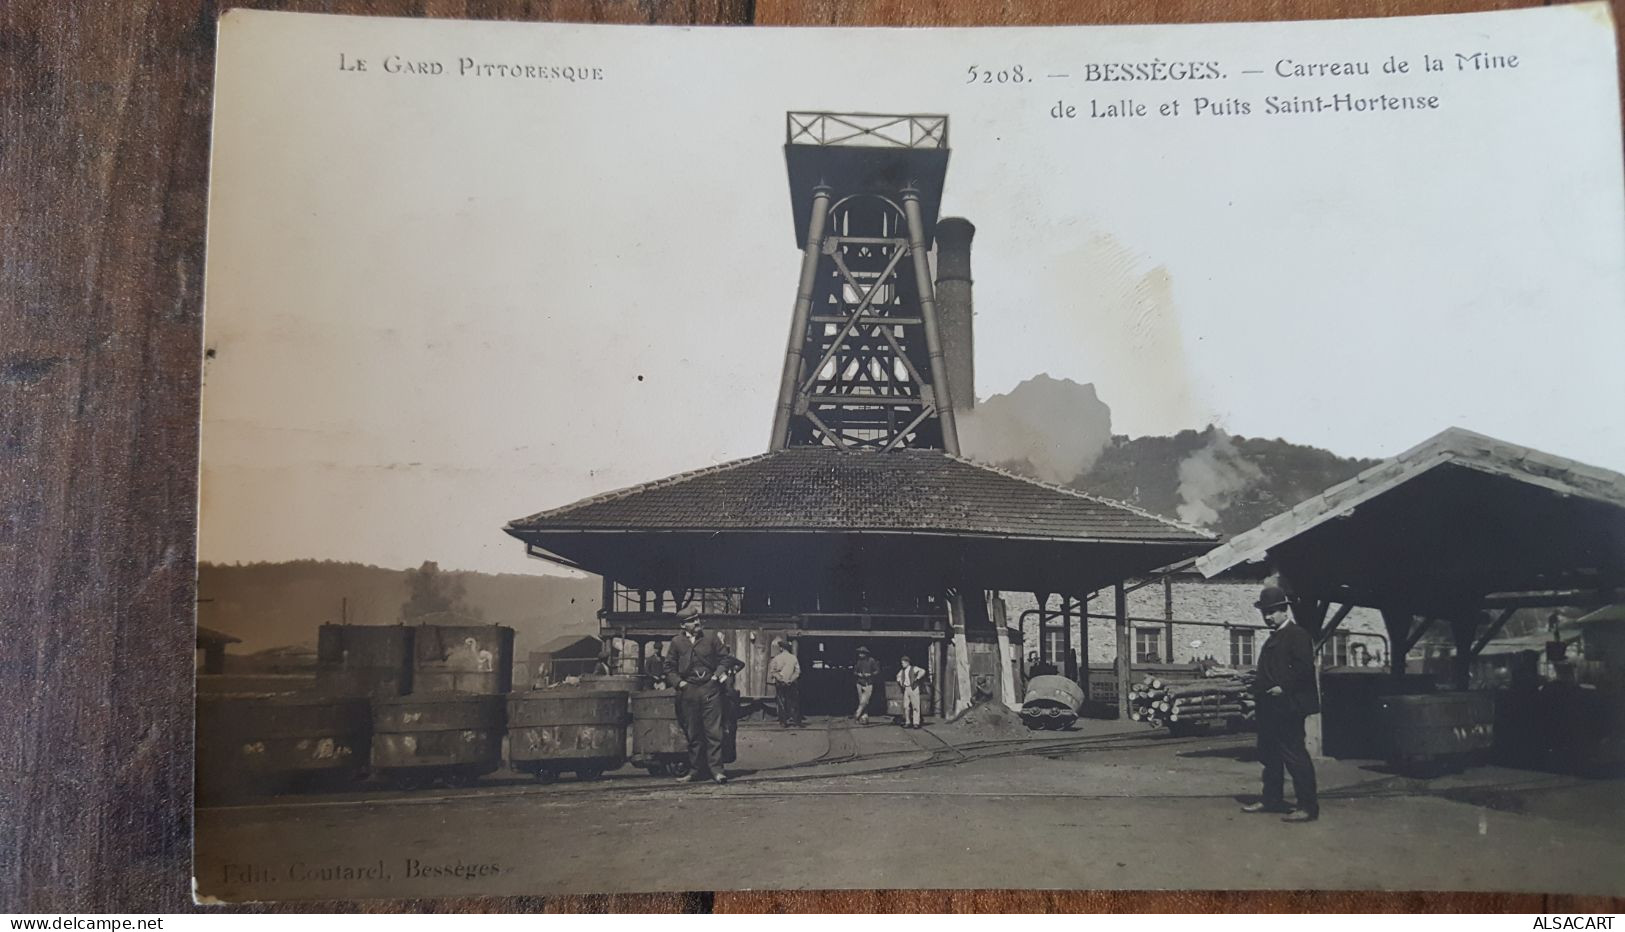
x: 582, y: 731
x: 451, y: 738
x: 1439, y: 732
x: 616, y: 682
x: 270, y: 743
x: 658, y: 743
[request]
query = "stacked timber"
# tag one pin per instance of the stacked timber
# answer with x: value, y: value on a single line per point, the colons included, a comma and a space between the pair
x: 1214, y: 699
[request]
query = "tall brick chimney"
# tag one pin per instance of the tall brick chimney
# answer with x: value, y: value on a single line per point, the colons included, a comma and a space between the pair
x: 954, y: 308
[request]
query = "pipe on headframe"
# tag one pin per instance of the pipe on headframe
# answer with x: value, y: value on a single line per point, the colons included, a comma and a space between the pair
x: 928, y: 313
x: 789, y: 380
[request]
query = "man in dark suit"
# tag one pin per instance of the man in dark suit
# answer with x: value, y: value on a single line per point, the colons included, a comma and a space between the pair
x: 1287, y: 694
x: 696, y: 664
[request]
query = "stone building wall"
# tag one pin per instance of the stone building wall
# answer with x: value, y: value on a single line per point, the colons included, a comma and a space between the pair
x: 1201, y: 610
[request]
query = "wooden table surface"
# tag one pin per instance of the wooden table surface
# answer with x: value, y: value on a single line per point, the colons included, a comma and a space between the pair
x: 104, y: 144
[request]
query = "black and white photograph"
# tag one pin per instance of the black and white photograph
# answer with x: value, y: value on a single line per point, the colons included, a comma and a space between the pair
x: 1069, y: 458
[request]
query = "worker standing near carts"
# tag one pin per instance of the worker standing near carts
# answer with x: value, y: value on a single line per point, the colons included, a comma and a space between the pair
x: 694, y: 660
x: 655, y: 666
x: 784, y: 675
x: 909, y: 678
x: 1286, y: 691
x: 867, y: 671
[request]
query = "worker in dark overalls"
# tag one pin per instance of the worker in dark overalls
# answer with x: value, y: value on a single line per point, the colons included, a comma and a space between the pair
x: 695, y: 667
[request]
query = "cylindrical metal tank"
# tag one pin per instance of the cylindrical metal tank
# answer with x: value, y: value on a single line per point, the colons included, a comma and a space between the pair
x: 1052, y: 702
x: 1439, y: 731
x: 259, y: 743
x: 551, y: 731
x: 658, y: 742
x: 454, y: 737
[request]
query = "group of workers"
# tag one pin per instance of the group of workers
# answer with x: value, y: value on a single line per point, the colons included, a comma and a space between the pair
x: 784, y: 675
x: 701, y: 669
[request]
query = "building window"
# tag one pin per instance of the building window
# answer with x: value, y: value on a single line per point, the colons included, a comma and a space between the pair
x: 1241, y: 647
x: 1147, y: 645
x: 1335, y: 653
x: 1055, y: 646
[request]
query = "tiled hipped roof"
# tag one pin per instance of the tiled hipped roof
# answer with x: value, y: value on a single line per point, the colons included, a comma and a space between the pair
x: 900, y: 491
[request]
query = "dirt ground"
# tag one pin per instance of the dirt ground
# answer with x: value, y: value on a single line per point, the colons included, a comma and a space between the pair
x: 836, y: 805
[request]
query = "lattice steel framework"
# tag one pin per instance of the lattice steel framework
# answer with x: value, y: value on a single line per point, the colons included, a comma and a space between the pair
x: 864, y: 365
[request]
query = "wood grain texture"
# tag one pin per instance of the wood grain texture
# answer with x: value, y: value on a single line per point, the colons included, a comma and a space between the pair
x: 104, y: 118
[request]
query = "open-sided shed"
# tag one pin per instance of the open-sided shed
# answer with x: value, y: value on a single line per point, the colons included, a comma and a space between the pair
x: 1462, y: 528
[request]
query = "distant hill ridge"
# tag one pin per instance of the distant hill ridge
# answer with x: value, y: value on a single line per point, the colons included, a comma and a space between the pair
x: 1225, y: 483
x: 280, y: 604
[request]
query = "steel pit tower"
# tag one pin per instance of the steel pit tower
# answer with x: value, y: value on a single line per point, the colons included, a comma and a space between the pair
x: 865, y: 366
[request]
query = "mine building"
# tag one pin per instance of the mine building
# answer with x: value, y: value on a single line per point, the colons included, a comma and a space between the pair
x: 861, y: 523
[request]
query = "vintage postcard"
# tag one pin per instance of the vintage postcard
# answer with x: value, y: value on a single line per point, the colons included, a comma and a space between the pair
x: 649, y: 459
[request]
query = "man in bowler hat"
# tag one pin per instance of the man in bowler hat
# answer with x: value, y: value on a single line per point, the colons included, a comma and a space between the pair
x: 1286, y: 691
x: 696, y: 665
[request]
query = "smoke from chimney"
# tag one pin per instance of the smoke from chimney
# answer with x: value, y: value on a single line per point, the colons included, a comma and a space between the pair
x: 1046, y: 428
x: 1211, y: 478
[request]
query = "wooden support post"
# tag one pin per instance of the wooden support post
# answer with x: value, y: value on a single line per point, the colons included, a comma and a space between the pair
x: 1008, y: 670
x: 1083, y: 645
x: 956, y: 617
x: 1310, y: 614
x: 1463, y: 627
x: 934, y: 665
x: 1124, y: 646
x: 1331, y: 626
x: 1398, y: 625
x: 1494, y: 629
x: 1417, y: 632
x: 1069, y: 665
x: 1168, y: 615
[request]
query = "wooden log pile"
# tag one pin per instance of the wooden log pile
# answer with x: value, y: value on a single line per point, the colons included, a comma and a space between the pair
x: 1218, y: 698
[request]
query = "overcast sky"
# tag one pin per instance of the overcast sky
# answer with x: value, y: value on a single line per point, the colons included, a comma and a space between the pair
x: 440, y: 303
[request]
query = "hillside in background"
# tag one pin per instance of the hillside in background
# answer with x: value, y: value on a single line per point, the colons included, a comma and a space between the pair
x: 282, y: 604
x: 1224, y: 483
x: 1060, y: 431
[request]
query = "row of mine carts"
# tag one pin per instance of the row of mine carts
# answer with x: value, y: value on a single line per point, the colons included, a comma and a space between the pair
x: 309, y: 741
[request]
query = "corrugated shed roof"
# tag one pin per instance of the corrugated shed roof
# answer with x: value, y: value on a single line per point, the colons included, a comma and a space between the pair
x: 900, y: 491
x: 1454, y: 446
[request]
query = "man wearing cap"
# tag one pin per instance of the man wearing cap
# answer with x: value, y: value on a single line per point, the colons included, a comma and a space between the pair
x: 1285, y: 687
x: 695, y: 666
x: 867, y: 670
